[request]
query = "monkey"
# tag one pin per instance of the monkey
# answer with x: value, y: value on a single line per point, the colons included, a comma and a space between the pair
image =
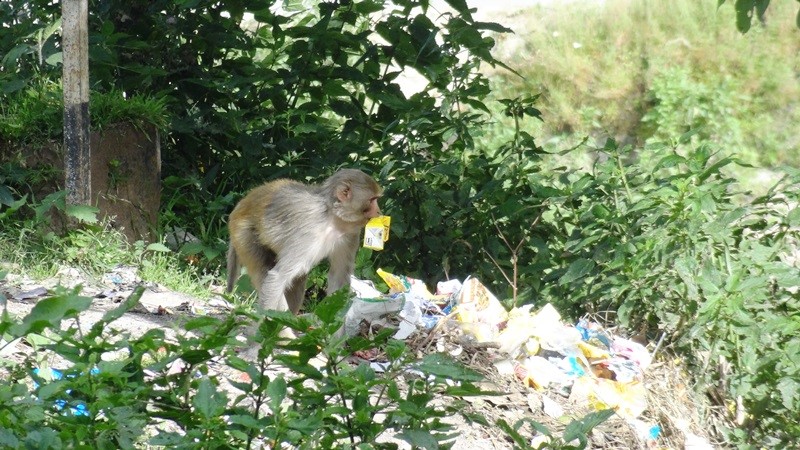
x: 280, y: 230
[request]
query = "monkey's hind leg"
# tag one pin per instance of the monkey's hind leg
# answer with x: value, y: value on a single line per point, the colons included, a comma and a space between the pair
x: 233, y: 268
x: 296, y: 293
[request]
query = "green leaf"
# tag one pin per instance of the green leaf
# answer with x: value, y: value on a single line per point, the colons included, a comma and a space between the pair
x: 46, y: 32
x: 685, y: 138
x: 344, y: 109
x: 461, y: 7
x: 84, y: 213
x: 276, y: 391
x: 476, y: 417
x: 368, y: 7
x: 13, y: 207
x: 308, y: 425
x: 578, y: 269
x: 442, y: 366
x: 420, y: 439
x: 492, y: 26
x: 793, y: 217
x: 207, y: 401
x: 201, y: 322
x: 8, y: 440
x: 669, y: 161
x: 51, y: 389
x: 192, y: 248
x: 246, y: 420
x: 5, y: 196
x: 789, y: 389
x: 714, y: 168
x: 196, y: 356
x: 55, y: 200
x: 761, y: 7
x: 237, y: 363
x: 512, y: 433
x: 395, y: 349
x: 579, y: 429
x: 797, y: 19
x: 466, y: 389
x: 685, y: 267
x: 601, y: 212
x: 10, y: 59
x: 55, y: 59
x: 329, y: 308
x: 624, y: 311
x: 50, y: 311
x: 744, y: 14
x: 158, y: 247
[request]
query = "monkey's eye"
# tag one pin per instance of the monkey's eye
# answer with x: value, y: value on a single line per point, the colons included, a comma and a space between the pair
x: 371, y: 204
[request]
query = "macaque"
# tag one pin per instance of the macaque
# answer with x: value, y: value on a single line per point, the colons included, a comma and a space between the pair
x: 282, y: 229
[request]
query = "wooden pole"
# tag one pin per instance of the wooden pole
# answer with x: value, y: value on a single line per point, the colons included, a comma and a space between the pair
x: 75, y: 82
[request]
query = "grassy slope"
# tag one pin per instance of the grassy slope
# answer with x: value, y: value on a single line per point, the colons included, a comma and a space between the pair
x: 649, y: 70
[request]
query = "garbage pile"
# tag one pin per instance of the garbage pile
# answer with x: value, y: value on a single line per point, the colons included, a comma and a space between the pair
x: 581, y: 361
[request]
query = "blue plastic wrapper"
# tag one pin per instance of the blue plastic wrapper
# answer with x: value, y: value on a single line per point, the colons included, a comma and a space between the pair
x: 77, y: 408
x: 587, y: 333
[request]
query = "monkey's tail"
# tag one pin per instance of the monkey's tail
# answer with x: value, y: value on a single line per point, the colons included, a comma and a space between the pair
x: 233, y: 269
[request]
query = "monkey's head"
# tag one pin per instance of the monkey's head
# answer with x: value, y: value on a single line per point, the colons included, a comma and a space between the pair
x: 355, y: 196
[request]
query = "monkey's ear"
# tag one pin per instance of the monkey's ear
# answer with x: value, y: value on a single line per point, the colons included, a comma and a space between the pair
x: 344, y: 192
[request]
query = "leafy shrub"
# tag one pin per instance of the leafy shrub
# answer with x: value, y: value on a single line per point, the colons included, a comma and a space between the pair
x: 577, y: 430
x: 709, y: 106
x: 120, y: 391
x: 666, y: 242
x: 189, y: 204
x: 296, y: 92
x: 300, y: 89
x: 677, y: 250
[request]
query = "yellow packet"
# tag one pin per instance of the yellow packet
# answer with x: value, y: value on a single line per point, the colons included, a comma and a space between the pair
x: 376, y: 232
x: 591, y: 351
x: 396, y: 284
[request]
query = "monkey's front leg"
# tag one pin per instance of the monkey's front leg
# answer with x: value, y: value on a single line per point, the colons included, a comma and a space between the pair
x: 343, y: 263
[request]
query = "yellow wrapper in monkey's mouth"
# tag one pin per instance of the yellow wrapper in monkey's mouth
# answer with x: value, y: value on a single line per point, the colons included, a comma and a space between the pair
x: 376, y: 232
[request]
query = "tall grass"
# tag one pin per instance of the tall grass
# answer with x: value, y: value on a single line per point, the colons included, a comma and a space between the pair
x: 648, y: 70
x: 35, y: 115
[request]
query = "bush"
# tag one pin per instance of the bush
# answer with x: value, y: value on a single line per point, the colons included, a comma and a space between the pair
x: 120, y: 391
x: 294, y: 92
x: 676, y: 250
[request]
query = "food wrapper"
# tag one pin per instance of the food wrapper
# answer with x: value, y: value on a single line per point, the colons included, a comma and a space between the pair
x: 376, y: 232
x: 400, y: 284
x: 593, y: 352
x: 629, y: 400
x: 477, y: 305
x: 539, y: 373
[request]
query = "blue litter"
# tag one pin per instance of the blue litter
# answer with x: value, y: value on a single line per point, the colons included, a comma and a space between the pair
x: 77, y: 408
